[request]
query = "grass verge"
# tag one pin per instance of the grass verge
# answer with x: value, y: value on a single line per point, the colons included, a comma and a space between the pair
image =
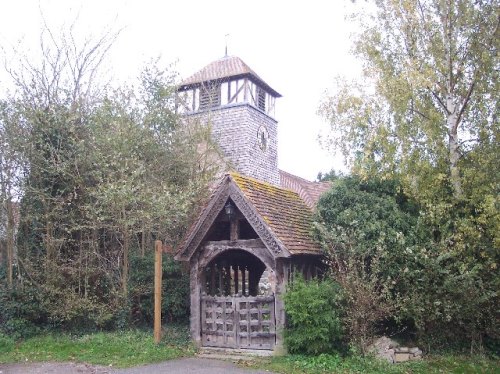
x: 119, y: 349
x: 296, y: 364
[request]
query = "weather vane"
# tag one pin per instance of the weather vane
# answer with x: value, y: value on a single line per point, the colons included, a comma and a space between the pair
x: 226, y: 38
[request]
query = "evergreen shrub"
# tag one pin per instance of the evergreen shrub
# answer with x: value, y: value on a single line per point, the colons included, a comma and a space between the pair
x: 175, y: 295
x: 313, y: 313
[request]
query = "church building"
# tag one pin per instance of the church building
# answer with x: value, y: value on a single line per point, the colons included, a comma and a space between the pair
x: 254, y: 233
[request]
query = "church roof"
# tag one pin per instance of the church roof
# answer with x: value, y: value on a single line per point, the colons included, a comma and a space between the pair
x: 279, y: 216
x: 308, y: 191
x: 223, y: 69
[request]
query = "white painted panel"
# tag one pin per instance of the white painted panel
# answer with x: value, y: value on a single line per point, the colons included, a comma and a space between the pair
x: 253, y: 94
x: 224, y: 93
x: 241, y: 95
x: 182, y: 102
x: 272, y: 102
x: 234, y: 88
x: 188, y: 100
x: 196, y: 99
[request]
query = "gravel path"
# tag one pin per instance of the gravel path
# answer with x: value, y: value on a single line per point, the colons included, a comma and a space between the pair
x: 185, y: 365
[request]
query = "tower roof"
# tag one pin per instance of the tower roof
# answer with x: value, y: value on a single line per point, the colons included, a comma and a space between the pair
x: 224, y: 69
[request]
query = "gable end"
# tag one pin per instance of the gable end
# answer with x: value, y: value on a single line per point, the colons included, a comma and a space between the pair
x: 228, y: 189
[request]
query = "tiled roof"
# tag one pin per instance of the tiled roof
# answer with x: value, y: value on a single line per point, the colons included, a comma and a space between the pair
x: 286, y: 214
x: 229, y: 66
x: 309, y: 191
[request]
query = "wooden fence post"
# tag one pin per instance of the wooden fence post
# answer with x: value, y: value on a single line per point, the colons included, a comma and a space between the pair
x: 158, y: 286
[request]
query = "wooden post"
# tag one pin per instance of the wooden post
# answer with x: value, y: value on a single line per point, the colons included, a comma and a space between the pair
x: 158, y: 283
x: 234, y: 229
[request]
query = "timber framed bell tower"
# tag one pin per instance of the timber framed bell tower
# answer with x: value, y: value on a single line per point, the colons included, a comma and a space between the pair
x: 240, y: 108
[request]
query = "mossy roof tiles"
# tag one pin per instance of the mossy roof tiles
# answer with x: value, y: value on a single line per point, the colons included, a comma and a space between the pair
x: 286, y: 214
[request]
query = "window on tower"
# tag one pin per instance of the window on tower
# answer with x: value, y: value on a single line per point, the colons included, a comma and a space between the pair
x: 210, y: 96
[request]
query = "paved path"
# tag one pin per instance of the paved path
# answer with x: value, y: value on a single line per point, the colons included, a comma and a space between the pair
x: 185, y: 365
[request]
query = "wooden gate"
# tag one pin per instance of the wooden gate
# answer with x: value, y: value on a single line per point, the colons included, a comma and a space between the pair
x: 238, y: 322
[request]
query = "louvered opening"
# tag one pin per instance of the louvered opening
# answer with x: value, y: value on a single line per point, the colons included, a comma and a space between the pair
x: 210, y: 97
x: 261, y: 99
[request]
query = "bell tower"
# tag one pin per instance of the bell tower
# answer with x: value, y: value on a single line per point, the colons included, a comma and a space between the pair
x: 239, y: 106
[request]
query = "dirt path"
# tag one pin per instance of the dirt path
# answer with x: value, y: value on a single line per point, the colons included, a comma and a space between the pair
x: 185, y: 365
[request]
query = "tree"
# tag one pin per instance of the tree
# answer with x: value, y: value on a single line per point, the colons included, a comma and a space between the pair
x: 11, y: 167
x: 430, y: 116
x: 367, y: 230
x: 148, y: 175
x: 427, y: 116
x: 434, y: 67
x: 100, y: 173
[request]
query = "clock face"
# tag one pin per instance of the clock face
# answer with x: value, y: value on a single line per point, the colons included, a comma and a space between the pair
x: 262, y: 137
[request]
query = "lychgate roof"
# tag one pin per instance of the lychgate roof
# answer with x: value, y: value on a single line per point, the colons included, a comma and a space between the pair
x: 289, y: 218
x: 279, y: 216
x: 223, y: 69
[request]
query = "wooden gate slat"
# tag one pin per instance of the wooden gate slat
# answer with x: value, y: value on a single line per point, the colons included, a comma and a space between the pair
x: 245, y: 321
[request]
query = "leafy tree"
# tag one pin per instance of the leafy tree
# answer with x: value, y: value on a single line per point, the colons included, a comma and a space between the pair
x: 101, y: 173
x: 434, y: 69
x: 331, y: 175
x: 428, y: 116
x: 367, y: 230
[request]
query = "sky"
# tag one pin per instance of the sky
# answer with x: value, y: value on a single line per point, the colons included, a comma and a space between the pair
x: 298, y: 47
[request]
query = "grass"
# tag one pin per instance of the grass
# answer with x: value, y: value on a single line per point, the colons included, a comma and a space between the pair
x: 296, y: 364
x: 136, y: 347
x: 120, y: 349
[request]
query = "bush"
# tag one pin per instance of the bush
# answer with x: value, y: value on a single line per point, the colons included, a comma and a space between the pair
x: 21, y: 312
x: 313, y: 317
x: 429, y: 268
x: 175, y: 296
x: 26, y: 310
x: 7, y: 343
x: 366, y: 229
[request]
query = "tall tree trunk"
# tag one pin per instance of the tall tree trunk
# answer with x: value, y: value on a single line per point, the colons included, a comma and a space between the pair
x: 143, y: 241
x: 452, y: 108
x: 125, y: 267
x: 453, y: 151
x: 10, y: 241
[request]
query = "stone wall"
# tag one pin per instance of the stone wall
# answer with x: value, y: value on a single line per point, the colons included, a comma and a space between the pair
x: 234, y: 128
x: 390, y: 350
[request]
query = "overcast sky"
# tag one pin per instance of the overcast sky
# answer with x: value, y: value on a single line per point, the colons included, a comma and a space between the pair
x: 297, y: 47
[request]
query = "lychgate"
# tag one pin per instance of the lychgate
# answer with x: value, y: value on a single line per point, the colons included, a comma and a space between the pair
x: 242, y: 251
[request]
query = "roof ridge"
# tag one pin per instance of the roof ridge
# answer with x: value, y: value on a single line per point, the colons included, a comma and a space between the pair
x: 236, y: 59
x: 307, y: 190
x: 261, y: 182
